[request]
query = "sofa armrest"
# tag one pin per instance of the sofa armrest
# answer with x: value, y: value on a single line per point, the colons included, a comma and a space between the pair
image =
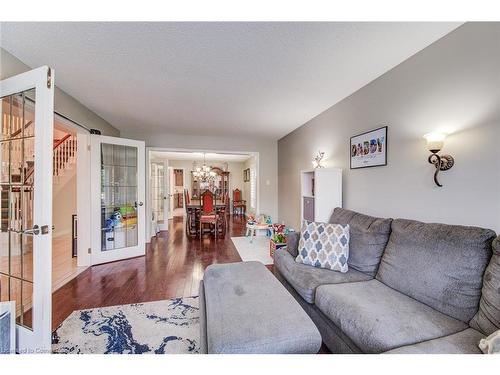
x: 292, y: 243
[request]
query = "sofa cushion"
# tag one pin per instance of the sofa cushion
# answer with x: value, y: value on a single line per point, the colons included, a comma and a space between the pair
x: 249, y: 311
x: 377, y: 318
x: 437, y: 264
x: 324, y: 245
x: 368, y: 238
x: 487, y: 319
x: 465, y: 342
x: 292, y: 243
x: 305, y: 279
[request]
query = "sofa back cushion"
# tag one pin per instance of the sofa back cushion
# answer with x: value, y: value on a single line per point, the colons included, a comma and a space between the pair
x: 487, y: 319
x: 437, y: 264
x: 368, y: 238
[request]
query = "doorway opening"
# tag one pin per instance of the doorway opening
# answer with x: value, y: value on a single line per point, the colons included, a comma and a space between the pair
x: 177, y: 191
x: 65, y: 254
x: 233, y: 173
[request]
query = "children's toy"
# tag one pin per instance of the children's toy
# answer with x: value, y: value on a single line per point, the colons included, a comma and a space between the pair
x: 279, y: 233
x: 129, y: 215
x: 114, y: 221
x: 278, y: 239
x: 251, y: 219
x: 262, y: 219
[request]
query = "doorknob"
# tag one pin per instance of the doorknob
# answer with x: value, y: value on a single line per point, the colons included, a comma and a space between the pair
x: 140, y: 204
x: 32, y: 232
x: 35, y: 231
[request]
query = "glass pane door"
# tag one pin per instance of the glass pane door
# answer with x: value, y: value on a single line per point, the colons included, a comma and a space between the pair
x: 17, y: 193
x: 158, y: 195
x: 119, y: 196
x: 26, y: 128
x: 120, y: 179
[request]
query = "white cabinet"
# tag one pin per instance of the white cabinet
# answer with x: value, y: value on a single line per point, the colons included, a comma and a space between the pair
x: 321, y: 192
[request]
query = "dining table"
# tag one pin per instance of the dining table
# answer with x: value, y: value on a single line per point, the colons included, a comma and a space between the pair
x: 196, y: 204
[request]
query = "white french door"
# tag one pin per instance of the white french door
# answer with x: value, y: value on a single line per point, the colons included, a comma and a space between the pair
x: 117, y: 198
x: 26, y: 123
x: 170, y: 185
x: 159, y: 194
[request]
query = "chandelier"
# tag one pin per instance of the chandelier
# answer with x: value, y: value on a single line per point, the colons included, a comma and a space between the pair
x: 203, y: 173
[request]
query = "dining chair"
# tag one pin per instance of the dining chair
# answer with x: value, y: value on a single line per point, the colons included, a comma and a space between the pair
x: 208, y: 214
x: 223, y: 212
x: 239, y: 205
x: 190, y: 215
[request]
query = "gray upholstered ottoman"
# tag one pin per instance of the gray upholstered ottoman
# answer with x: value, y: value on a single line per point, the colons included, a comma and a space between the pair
x: 245, y: 309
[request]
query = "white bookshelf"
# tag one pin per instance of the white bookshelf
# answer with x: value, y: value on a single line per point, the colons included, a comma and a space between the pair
x: 320, y: 193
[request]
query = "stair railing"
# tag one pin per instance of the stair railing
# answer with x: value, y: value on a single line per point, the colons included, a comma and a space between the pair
x: 64, y: 152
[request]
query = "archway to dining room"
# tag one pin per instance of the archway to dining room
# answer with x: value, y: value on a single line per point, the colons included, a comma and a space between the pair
x: 178, y: 179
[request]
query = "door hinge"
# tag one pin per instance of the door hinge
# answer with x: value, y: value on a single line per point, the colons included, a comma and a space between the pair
x: 88, y: 147
x: 89, y: 250
x: 49, y: 78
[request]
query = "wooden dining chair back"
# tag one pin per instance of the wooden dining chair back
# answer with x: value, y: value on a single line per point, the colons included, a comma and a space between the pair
x: 207, y: 203
x: 236, y: 195
x: 207, y: 212
x: 239, y: 205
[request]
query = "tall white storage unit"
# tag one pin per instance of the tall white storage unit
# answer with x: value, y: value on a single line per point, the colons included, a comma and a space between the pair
x: 321, y: 192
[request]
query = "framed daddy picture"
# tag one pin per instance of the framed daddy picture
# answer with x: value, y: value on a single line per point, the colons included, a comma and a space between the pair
x: 369, y: 149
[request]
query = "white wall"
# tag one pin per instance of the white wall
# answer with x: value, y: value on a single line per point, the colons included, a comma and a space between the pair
x: 267, y: 149
x: 235, y: 169
x: 250, y: 163
x: 454, y: 84
x: 63, y: 103
x: 64, y: 203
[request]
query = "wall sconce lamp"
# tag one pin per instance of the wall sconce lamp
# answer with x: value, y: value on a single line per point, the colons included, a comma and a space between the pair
x: 435, y: 142
x: 318, y: 160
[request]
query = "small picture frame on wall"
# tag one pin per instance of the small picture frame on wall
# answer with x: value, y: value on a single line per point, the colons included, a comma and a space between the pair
x: 369, y: 149
x: 246, y: 175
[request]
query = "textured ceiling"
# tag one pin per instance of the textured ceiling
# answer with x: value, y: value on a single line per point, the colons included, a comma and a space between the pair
x: 234, y: 79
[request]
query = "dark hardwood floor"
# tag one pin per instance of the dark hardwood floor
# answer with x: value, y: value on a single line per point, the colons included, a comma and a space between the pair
x: 172, y: 267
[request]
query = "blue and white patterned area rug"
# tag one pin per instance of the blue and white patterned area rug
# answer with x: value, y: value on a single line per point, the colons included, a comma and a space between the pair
x: 161, y: 327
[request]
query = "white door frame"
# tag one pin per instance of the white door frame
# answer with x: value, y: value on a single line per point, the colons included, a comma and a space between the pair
x: 98, y: 256
x: 173, y: 149
x: 38, y: 340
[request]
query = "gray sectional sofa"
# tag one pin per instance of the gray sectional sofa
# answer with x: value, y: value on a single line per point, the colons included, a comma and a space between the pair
x: 411, y: 287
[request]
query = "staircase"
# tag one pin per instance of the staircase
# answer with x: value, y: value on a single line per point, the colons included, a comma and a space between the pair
x: 64, y: 160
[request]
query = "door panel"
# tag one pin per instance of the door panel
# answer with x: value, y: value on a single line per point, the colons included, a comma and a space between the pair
x: 159, y: 195
x: 118, y: 196
x: 26, y: 128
